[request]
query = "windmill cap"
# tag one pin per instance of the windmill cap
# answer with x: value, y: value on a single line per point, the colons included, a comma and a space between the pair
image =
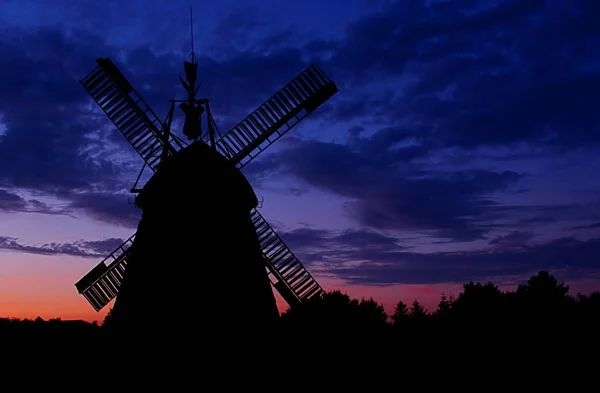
x: 197, y: 175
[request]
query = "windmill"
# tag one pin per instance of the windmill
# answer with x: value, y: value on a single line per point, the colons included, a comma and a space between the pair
x: 153, y: 140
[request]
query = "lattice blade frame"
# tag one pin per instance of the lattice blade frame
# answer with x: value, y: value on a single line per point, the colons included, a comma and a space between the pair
x: 250, y: 137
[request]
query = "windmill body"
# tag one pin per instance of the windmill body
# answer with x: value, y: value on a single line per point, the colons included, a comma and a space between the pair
x: 215, y: 274
x: 201, y: 246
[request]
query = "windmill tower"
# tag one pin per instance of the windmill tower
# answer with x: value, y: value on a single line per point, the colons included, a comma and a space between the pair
x: 175, y: 163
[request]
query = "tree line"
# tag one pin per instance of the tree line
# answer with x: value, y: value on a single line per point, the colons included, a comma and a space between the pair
x: 480, y: 314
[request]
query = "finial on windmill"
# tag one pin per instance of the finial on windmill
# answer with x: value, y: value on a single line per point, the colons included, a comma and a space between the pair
x: 192, y: 34
x: 192, y: 127
x: 191, y: 68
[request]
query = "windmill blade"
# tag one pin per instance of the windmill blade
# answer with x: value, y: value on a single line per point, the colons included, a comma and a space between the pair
x: 289, y: 277
x: 128, y: 111
x: 102, y: 283
x: 296, y: 100
x: 244, y: 142
x: 293, y: 282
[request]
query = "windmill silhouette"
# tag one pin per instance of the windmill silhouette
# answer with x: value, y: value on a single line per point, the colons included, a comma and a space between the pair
x: 153, y: 140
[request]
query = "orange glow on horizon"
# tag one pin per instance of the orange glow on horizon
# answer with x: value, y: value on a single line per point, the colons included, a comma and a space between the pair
x: 37, y: 285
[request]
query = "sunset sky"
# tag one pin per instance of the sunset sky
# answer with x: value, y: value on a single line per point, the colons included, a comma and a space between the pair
x: 463, y: 143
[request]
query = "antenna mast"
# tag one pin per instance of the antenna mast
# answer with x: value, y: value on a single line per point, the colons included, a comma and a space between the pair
x: 192, y: 33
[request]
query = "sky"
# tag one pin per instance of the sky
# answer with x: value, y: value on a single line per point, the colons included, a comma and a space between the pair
x: 463, y: 144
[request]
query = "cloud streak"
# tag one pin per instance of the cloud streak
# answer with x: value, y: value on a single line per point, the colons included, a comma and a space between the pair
x: 81, y: 248
x: 369, y: 258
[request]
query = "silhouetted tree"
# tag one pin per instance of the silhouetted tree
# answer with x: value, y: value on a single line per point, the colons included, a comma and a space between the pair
x: 335, y: 310
x: 588, y: 310
x: 371, y: 311
x: 544, y: 299
x: 444, y: 305
x: 544, y: 288
x: 443, y: 310
x: 478, y: 301
x: 401, y: 313
x: 417, y: 311
x: 538, y: 314
x: 337, y: 319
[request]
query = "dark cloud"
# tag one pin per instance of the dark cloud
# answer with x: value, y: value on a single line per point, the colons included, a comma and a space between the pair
x: 595, y: 225
x: 530, y: 218
x: 450, y: 205
x: 102, y: 247
x: 312, y: 245
x: 12, y: 203
x: 59, y: 144
x: 235, y: 30
x: 297, y: 191
x: 575, y: 258
x: 386, y: 190
x: 514, y: 240
x: 117, y: 209
x: 42, y: 107
x: 391, y: 183
x: 240, y: 83
x: 472, y: 75
x: 370, y: 258
x: 461, y: 76
x: 113, y: 208
x: 86, y: 249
